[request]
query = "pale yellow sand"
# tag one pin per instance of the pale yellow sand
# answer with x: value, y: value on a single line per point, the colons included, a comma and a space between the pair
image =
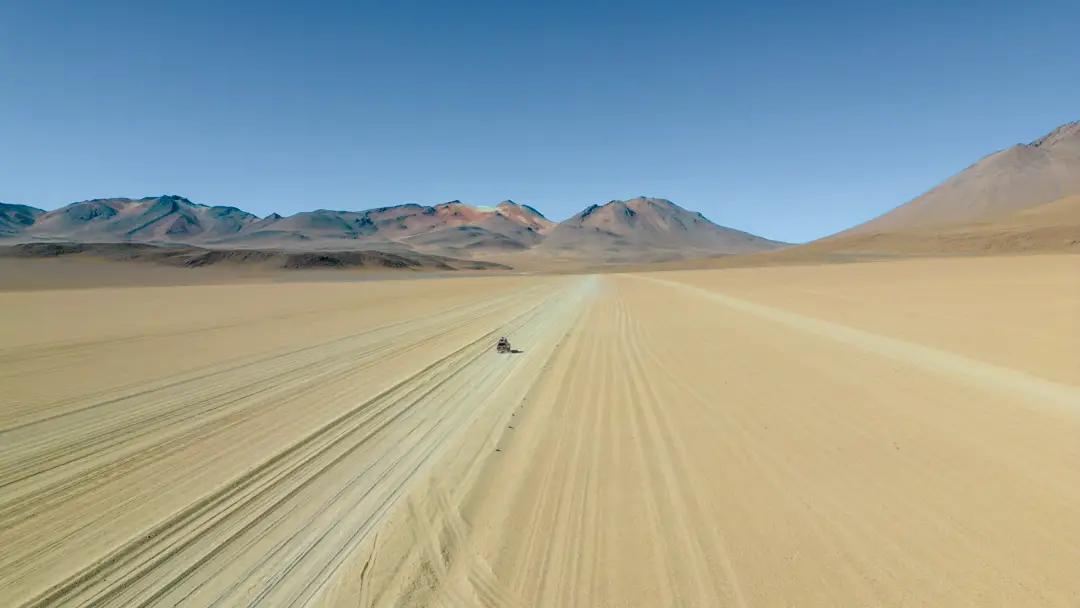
x: 892, y: 434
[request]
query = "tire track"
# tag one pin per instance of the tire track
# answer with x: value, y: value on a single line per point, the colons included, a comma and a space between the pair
x: 840, y: 534
x: 320, y: 446
x: 985, y: 375
x: 643, y: 456
x: 250, y: 487
x: 647, y: 448
x: 540, y: 516
x: 874, y: 558
x: 769, y: 468
x: 843, y: 527
x: 436, y: 562
x: 679, y: 467
x: 134, y: 570
x: 286, y: 358
x: 569, y: 532
x: 211, y: 415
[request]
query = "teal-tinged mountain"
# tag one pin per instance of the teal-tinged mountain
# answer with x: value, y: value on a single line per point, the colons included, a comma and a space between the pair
x: 639, y: 228
x: 15, y: 219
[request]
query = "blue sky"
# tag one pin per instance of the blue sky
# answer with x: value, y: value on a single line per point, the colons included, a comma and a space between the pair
x: 791, y: 120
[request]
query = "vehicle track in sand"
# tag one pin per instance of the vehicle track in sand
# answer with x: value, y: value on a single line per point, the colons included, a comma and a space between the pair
x: 688, y: 448
x: 655, y: 443
x: 123, y: 473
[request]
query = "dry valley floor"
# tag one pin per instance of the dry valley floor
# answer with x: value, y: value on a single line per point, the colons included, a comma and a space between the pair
x: 888, y: 434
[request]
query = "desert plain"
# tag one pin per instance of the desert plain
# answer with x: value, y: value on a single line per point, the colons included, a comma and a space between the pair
x: 894, y: 433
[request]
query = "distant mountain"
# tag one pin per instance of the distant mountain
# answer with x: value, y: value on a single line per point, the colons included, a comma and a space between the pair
x: 649, y: 228
x: 639, y: 229
x: 506, y: 227
x: 448, y: 226
x: 15, y: 219
x: 526, y: 216
x: 1008, y: 181
x: 147, y: 220
x: 174, y: 219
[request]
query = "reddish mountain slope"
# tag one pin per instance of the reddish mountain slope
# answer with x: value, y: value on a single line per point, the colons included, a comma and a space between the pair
x: 156, y: 219
x: 649, y: 228
x: 639, y: 229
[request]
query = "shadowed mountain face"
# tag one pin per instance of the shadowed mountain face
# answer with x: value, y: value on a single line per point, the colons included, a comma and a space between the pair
x: 448, y: 226
x: 1008, y: 181
x: 174, y: 219
x: 15, y: 219
x: 624, y: 229
x: 148, y: 220
x: 636, y: 229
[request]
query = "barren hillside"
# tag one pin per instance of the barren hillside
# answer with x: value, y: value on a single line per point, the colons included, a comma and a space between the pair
x: 15, y: 219
x: 646, y: 229
x: 636, y: 230
x: 1050, y: 227
x: 1011, y: 180
x: 156, y: 219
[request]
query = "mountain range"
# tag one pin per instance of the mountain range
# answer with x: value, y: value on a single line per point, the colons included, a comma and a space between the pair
x: 1023, y: 198
x: 627, y: 229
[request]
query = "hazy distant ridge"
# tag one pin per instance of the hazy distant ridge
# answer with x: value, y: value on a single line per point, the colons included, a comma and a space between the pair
x: 632, y: 228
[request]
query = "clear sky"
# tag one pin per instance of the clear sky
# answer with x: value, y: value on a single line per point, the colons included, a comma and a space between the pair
x: 788, y: 119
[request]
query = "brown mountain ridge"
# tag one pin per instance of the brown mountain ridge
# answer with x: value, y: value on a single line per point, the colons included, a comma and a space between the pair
x: 639, y: 228
x: 620, y: 230
x: 1021, y: 200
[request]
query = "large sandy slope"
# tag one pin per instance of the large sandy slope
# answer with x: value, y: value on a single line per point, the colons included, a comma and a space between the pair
x: 888, y: 434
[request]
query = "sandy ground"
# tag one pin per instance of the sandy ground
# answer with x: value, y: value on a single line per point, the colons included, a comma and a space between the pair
x: 887, y: 434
